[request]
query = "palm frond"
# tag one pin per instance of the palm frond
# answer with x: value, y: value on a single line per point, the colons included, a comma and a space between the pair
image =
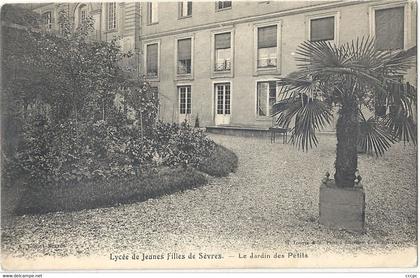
x: 308, y: 115
x: 373, y: 136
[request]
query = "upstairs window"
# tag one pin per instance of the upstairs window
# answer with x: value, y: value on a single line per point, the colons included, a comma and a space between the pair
x: 185, y: 8
x: 222, y: 5
x: 47, y: 20
x: 267, y: 47
x: 184, y: 56
x: 322, y: 29
x: 112, y: 16
x: 223, y: 52
x: 152, y: 60
x: 266, y: 98
x: 152, y: 12
x: 389, y: 28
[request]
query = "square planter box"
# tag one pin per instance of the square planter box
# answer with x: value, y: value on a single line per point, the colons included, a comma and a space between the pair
x: 342, y: 208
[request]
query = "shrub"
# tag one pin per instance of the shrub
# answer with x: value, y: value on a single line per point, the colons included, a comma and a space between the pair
x: 222, y: 162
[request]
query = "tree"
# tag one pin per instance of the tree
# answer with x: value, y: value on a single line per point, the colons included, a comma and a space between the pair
x: 358, y: 78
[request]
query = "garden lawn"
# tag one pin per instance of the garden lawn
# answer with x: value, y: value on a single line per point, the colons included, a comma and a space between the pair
x: 270, y: 202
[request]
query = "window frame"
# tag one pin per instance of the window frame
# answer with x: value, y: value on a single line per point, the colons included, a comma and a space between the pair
x: 265, y: 80
x: 147, y: 43
x: 180, y: 76
x: 180, y: 9
x: 407, y: 20
x: 224, y: 8
x: 49, y: 25
x: 107, y: 17
x: 226, y: 73
x: 149, y: 12
x: 334, y: 14
x: 268, y: 70
x: 213, y: 90
x: 178, y: 87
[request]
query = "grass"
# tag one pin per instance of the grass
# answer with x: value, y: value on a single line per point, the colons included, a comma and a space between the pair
x: 221, y: 163
x: 74, y: 197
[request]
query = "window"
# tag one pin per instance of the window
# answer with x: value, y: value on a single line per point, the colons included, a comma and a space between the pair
x: 184, y: 99
x: 152, y: 12
x: 82, y: 13
x: 184, y: 56
x: 389, y: 28
x: 267, y: 47
x: 222, y: 52
x: 266, y: 97
x: 221, y: 5
x: 112, y: 16
x: 47, y: 20
x: 223, y: 99
x: 152, y: 51
x: 185, y: 8
x: 322, y: 29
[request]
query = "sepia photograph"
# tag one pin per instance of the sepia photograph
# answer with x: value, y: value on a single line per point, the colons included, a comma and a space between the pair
x: 209, y: 135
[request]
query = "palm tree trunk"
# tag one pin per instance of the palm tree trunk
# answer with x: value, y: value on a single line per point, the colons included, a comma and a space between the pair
x: 347, y: 133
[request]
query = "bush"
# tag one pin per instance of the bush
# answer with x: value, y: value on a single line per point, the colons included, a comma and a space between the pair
x: 222, y: 162
x: 87, y: 195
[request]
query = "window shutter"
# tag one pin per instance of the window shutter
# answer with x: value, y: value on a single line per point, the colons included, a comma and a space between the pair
x: 152, y: 58
x: 222, y: 41
x: 389, y: 28
x: 322, y: 29
x: 267, y: 37
x: 184, y: 49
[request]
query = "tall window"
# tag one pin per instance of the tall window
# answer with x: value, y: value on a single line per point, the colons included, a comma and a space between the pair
x: 47, y: 20
x: 152, y: 12
x: 266, y: 97
x: 223, y: 98
x: 184, y: 99
x: 389, y: 28
x: 267, y: 47
x: 112, y: 15
x: 185, y: 8
x: 221, y: 5
x: 184, y: 56
x: 152, y: 60
x: 223, y: 52
x: 322, y: 29
x: 82, y: 13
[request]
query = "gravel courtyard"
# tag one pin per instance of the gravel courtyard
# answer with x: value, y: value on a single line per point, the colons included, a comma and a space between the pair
x: 271, y: 201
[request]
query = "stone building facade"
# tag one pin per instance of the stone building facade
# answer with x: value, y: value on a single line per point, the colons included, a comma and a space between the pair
x: 218, y: 61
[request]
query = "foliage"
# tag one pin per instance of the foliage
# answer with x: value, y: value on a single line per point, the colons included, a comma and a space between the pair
x: 16, y: 14
x: 354, y: 76
x: 222, y: 162
x: 75, y: 196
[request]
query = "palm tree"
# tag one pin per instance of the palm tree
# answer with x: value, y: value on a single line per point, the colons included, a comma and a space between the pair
x: 359, y: 79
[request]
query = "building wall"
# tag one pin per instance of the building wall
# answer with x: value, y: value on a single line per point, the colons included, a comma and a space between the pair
x: 128, y: 21
x: 353, y: 20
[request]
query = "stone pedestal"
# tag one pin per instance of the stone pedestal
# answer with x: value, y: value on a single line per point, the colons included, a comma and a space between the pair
x: 342, y: 208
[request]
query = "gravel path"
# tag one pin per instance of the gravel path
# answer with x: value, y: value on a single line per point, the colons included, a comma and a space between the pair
x: 271, y: 201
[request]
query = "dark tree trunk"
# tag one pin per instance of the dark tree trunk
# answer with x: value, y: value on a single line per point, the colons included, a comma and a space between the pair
x: 347, y: 133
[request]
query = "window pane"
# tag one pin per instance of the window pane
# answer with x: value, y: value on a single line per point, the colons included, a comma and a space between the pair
x: 262, y: 90
x: 184, y: 56
x: 152, y: 12
x: 185, y: 8
x: 272, y: 96
x: 227, y: 99
x: 322, y: 29
x: 112, y: 16
x: 222, y: 60
x: 188, y: 100
x: 189, y: 8
x: 267, y: 57
x: 267, y: 37
x: 152, y: 59
x: 389, y: 28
